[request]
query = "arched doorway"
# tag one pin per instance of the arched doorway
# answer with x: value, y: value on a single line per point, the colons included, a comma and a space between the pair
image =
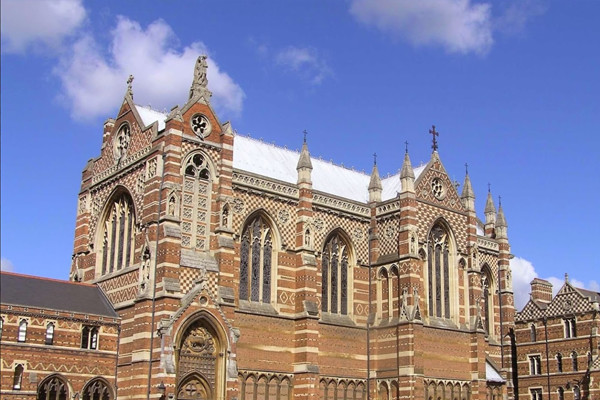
x: 201, y: 360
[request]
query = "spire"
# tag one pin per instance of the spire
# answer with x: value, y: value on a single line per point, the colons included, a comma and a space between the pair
x: 375, y: 186
x: 501, y: 222
x: 200, y: 81
x: 304, y: 166
x: 407, y: 176
x: 490, y: 215
x: 468, y: 196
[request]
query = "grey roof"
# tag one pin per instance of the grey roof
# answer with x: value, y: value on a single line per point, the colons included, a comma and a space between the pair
x: 32, y: 291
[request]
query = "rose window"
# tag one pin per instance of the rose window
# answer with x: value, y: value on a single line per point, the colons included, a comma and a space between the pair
x: 200, y: 125
x: 437, y: 188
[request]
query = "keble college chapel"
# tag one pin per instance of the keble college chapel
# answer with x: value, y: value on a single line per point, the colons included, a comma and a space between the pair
x: 241, y: 270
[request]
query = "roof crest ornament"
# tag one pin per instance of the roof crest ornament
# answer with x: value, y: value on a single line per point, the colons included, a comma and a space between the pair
x: 200, y: 82
x: 374, y: 158
x: 406, y: 146
x: 466, y: 169
x: 305, y: 133
x: 130, y: 86
x: 434, y: 133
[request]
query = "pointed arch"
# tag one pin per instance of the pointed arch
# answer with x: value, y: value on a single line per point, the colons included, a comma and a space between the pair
x: 258, y: 241
x: 115, y: 235
x: 488, y: 288
x: 53, y: 387
x: 201, y: 339
x: 198, y: 173
x: 337, y: 260
x: 441, y: 273
x: 97, y: 389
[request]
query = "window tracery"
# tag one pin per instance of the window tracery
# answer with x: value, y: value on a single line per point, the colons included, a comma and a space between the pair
x: 195, y: 209
x: 256, y: 261
x: 334, y: 276
x: 97, y: 389
x: 438, y: 267
x: 121, y: 142
x: 118, y: 235
x: 53, y: 388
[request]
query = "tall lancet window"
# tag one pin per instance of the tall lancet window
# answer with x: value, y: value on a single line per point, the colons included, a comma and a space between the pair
x: 334, y: 276
x: 196, y: 202
x: 488, y: 304
x: 438, y: 268
x: 118, y: 235
x: 256, y: 258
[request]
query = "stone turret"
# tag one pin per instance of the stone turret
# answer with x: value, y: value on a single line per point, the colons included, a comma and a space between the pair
x: 490, y: 216
x: 407, y: 176
x: 467, y: 195
x: 304, y: 166
x: 375, y: 187
x: 501, y: 226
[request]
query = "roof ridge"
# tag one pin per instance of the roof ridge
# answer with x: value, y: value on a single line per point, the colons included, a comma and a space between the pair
x: 43, y: 278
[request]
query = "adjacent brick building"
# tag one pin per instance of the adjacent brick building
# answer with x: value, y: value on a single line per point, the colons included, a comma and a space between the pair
x: 58, y: 340
x: 558, y: 341
x: 242, y: 270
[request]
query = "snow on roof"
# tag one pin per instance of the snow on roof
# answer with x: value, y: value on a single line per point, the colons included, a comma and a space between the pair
x: 149, y: 115
x: 275, y: 162
x: 491, y: 375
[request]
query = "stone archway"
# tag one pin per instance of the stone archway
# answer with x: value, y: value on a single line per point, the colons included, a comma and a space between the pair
x: 201, y: 362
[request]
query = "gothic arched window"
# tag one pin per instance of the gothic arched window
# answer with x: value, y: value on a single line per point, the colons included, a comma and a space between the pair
x: 97, y: 389
x: 256, y: 259
x: 118, y: 235
x: 53, y: 388
x: 18, y: 377
x: 438, y: 268
x: 559, y: 362
x: 487, y: 284
x: 574, y: 361
x: 334, y: 275
x: 195, y: 209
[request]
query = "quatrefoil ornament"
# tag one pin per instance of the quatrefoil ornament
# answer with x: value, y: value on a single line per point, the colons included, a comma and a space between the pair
x: 201, y: 125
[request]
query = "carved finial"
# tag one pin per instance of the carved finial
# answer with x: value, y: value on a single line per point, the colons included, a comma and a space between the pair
x: 466, y: 169
x: 200, y: 80
x: 406, y: 147
x: 130, y: 86
x: 305, y: 133
x: 566, y: 277
x: 374, y: 158
x: 499, y: 201
x: 434, y: 133
x: 489, y: 187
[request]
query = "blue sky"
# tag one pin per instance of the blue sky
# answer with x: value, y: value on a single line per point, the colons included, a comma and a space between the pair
x: 513, y: 86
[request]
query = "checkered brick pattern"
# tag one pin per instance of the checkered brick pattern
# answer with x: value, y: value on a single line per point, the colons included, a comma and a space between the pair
x: 357, y: 231
x: 388, y: 235
x: 427, y: 215
x: 490, y: 260
x: 188, y: 277
x: 187, y: 147
x: 100, y: 196
x: 576, y: 303
x: 281, y: 213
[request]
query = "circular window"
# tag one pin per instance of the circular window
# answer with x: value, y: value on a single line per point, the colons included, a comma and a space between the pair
x: 201, y: 125
x: 437, y: 188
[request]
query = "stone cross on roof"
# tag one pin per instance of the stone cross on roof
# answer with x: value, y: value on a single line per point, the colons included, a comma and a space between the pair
x: 433, y: 133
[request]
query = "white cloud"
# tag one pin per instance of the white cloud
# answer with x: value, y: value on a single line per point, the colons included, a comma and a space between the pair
x: 6, y: 265
x: 523, y: 272
x: 38, y: 24
x: 459, y: 26
x: 304, y: 61
x: 94, y: 80
x: 516, y: 14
